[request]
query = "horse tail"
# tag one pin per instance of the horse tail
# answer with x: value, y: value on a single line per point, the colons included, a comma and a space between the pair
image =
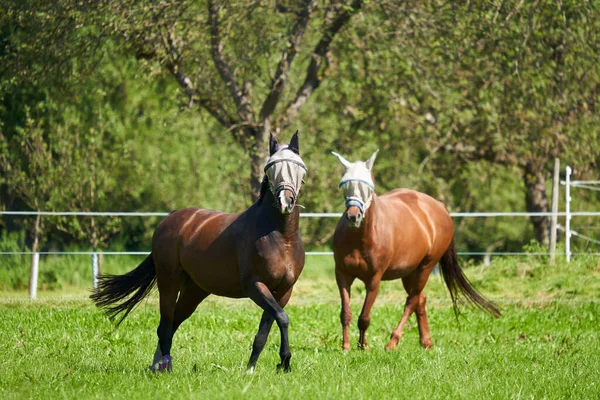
x: 457, y: 283
x: 114, y: 289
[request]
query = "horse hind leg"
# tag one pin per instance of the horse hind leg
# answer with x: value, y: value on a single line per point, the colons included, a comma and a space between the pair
x: 409, y: 308
x: 168, y: 289
x: 424, y: 336
x: 190, y: 296
x: 415, y: 302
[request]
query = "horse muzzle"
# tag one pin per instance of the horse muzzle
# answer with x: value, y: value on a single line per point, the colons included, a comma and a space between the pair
x: 286, y: 200
x: 355, y: 216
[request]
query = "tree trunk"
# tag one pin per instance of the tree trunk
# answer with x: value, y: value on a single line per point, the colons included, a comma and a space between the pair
x: 258, y: 157
x: 537, y: 201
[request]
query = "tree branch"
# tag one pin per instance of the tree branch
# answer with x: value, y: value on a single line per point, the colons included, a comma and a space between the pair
x: 287, y: 57
x: 173, y: 64
x: 186, y: 83
x: 312, y: 79
x: 478, y: 153
x: 242, y: 101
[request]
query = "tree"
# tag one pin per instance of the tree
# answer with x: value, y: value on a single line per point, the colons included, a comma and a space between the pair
x: 459, y: 96
x: 224, y: 57
x: 511, y: 84
x: 29, y: 173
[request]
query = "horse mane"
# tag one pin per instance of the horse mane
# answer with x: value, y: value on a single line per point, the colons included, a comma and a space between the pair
x: 264, y: 186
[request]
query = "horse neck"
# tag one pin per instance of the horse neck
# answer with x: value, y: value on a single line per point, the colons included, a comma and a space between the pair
x: 287, y: 224
x: 369, y: 224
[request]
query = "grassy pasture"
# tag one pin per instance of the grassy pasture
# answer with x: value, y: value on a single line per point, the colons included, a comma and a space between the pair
x: 545, y: 346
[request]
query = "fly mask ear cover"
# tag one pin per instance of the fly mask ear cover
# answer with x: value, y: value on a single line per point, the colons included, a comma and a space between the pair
x: 358, y: 187
x: 285, y: 170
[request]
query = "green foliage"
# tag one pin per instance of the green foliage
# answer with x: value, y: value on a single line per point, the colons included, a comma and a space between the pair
x: 13, y: 273
x: 468, y: 102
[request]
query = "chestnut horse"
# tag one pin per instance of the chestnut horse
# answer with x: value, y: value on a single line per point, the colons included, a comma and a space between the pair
x: 402, y: 234
x: 196, y: 252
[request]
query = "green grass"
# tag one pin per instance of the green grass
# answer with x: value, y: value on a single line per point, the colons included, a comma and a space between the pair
x: 70, y: 350
x: 544, y: 346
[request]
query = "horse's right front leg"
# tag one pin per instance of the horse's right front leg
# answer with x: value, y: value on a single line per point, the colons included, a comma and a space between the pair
x: 266, y: 321
x: 262, y: 296
x: 344, y: 283
x: 364, y: 320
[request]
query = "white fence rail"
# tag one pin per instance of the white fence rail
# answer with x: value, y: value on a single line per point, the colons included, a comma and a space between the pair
x: 483, y: 214
x: 568, y: 214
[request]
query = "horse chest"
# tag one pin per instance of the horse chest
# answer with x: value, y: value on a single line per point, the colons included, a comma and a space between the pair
x: 279, y: 260
x: 356, y: 263
x: 361, y: 257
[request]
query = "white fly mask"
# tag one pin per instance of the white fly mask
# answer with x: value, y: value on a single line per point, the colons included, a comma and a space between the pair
x: 357, y: 186
x: 285, y: 170
x: 357, y: 183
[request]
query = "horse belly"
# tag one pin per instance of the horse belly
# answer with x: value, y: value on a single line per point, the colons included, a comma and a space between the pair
x: 395, y: 272
x: 404, y: 263
x: 214, y: 270
x: 221, y: 279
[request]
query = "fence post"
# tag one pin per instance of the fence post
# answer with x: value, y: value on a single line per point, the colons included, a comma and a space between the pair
x: 568, y: 214
x: 33, y: 279
x: 95, y: 270
x: 554, y: 221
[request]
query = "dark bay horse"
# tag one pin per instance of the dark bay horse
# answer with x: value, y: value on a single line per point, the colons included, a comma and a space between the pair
x: 402, y: 234
x: 196, y: 252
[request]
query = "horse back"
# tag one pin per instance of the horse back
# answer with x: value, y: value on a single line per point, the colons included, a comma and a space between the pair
x: 416, y: 223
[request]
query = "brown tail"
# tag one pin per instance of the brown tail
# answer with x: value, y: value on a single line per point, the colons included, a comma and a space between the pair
x: 458, y: 283
x: 115, y: 289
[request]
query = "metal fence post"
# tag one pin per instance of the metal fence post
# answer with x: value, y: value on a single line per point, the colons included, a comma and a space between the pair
x: 554, y: 221
x: 568, y: 214
x: 33, y: 280
x: 95, y: 270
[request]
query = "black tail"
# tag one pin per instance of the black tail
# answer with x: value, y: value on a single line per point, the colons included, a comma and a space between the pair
x: 113, y: 289
x: 458, y: 283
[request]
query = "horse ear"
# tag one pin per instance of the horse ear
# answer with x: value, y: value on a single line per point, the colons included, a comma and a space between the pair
x: 273, y: 145
x: 295, y: 143
x: 371, y: 160
x: 344, y: 162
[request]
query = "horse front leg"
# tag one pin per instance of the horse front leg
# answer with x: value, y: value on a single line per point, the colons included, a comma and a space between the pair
x: 266, y: 321
x: 344, y: 283
x: 364, y: 320
x: 262, y: 296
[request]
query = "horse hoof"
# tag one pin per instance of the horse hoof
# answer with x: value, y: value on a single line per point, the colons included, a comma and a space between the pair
x: 364, y: 347
x: 165, y: 364
x: 285, y: 367
x: 250, y: 369
x: 390, y: 346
